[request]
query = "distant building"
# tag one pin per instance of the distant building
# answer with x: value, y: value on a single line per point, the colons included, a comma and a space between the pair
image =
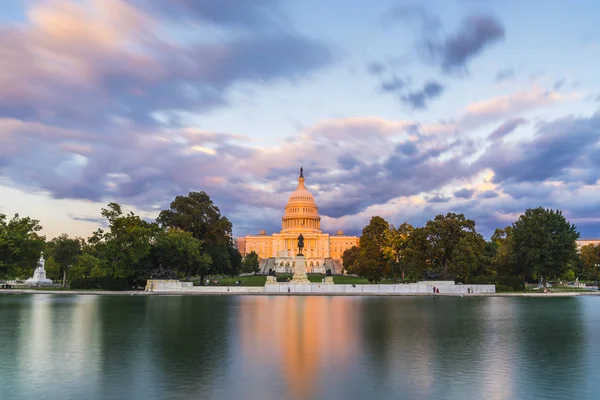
x: 278, y: 251
x: 585, y: 242
x: 240, y: 244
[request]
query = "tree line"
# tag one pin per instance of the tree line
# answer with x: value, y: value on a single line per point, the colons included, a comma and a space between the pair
x: 190, y: 238
x: 540, y: 245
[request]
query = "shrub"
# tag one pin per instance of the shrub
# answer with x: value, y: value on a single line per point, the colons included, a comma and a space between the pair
x: 105, y: 283
x: 508, y: 283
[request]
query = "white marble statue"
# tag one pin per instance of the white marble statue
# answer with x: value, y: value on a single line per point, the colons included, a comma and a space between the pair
x: 39, y: 275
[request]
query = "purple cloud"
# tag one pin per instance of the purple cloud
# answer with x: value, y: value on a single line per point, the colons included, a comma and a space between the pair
x: 129, y: 73
x: 108, y: 125
x: 393, y: 85
x: 474, y: 35
x: 558, y: 148
x: 505, y: 74
x: 438, y: 198
x: 375, y: 68
x: 506, y: 128
x: 464, y: 193
x: 419, y: 99
x: 246, y: 13
x: 488, y: 194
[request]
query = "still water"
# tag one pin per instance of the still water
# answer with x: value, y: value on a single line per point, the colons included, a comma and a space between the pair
x: 171, y: 347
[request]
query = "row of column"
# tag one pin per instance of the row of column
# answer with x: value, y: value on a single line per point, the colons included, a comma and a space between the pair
x: 305, y: 222
x: 310, y: 244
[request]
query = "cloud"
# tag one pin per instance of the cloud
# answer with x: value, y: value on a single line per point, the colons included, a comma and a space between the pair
x: 506, y: 128
x: 393, y: 85
x: 91, y: 94
x: 489, y: 110
x: 488, y: 194
x: 464, y: 193
x: 116, y: 60
x: 96, y: 220
x: 247, y: 14
x: 453, y: 52
x: 558, y: 150
x: 483, y: 112
x: 438, y: 198
x: 505, y: 74
x: 375, y: 68
x: 354, y: 166
x: 415, y: 99
x: 418, y: 99
x: 416, y: 15
x: 474, y: 34
x: 558, y: 84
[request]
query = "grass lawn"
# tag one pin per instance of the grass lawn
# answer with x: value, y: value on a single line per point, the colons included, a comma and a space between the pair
x: 560, y: 289
x: 349, y: 280
x: 254, y: 280
x: 260, y: 280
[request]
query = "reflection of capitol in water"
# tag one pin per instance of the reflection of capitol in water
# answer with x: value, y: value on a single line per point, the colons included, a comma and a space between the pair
x: 297, y: 339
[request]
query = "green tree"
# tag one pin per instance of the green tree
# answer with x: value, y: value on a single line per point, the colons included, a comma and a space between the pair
x: 543, y: 243
x: 20, y: 245
x: 372, y: 262
x: 503, y: 260
x: 395, y: 247
x: 65, y: 252
x: 445, y: 238
x: 374, y: 234
x: 350, y: 259
x: 196, y: 213
x: 52, y: 269
x: 590, y: 261
x: 178, y: 250
x: 569, y: 275
x: 85, y: 264
x: 468, y: 257
x: 235, y: 258
x: 417, y: 253
x: 127, y: 243
x: 251, y: 263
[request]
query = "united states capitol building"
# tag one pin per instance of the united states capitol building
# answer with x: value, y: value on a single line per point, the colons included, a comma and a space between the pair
x: 278, y: 251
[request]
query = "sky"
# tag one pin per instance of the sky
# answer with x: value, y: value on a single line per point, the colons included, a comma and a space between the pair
x: 394, y: 108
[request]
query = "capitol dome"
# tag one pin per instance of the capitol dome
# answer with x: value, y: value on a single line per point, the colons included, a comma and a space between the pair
x: 301, y: 211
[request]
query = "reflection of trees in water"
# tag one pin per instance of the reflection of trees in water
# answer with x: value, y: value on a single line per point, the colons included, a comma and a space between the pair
x: 189, y: 339
x: 421, y: 346
x: 552, y: 346
x: 122, y: 328
x: 163, y: 346
x: 459, y: 329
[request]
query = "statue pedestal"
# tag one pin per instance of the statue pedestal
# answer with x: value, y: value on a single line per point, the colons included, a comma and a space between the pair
x: 329, y: 280
x: 271, y: 280
x: 39, y: 275
x: 300, y: 271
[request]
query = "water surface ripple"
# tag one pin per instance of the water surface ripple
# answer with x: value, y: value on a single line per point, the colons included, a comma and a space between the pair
x: 260, y: 347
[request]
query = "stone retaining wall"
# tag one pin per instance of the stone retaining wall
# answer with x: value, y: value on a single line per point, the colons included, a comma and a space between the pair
x: 319, y: 288
x: 413, y: 288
